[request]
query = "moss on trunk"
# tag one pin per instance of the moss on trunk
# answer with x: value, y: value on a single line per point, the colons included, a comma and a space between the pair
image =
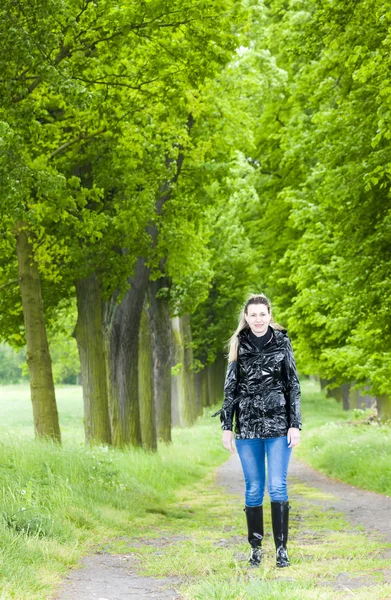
x: 159, y: 318
x: 43, y: 397
x: 89, y: 338
x: 145, y: 385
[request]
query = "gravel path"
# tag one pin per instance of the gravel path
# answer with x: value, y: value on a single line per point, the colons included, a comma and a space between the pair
x: 105, y: 576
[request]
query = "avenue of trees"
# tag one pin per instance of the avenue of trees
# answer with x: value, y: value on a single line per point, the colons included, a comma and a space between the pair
x: 158, y: 161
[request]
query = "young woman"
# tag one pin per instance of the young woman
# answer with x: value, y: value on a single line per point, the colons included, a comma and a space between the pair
x: 262, y: 393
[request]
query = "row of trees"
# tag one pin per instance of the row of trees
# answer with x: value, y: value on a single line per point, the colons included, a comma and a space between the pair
x: 322, y: 175
x: 159, y: 160
x: 111, y: 145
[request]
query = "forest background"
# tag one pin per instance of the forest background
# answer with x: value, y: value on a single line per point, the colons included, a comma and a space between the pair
x: 159, y: 161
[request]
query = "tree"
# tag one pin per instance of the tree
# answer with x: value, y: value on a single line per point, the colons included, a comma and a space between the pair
x: 64, y: 93
x: 329, y: 269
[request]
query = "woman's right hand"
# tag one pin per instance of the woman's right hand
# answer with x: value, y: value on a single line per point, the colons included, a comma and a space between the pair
x: 228, y: 441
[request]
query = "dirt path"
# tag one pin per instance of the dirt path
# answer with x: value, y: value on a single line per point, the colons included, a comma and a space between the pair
x: 371, y: 510
x: 114, y: 577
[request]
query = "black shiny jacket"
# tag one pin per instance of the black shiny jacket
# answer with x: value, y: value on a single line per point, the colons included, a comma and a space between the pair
x: 262, y: 389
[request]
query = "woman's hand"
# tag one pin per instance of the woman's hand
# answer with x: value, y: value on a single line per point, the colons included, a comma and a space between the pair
x: 228, y: 441
x: 293, y: 437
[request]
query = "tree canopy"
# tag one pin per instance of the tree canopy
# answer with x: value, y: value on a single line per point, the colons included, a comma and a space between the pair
x: 219, y: 148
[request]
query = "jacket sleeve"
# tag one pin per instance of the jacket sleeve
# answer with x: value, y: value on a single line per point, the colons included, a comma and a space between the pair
x: 226, y: 411
x: 292, y: 389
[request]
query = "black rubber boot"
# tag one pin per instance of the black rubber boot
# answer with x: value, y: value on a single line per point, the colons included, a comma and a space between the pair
x: 280, y: 524
x: 254, y: 516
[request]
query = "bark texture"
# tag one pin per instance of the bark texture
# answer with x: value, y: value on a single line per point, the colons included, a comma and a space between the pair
x: 384, y: 406
x: 216, y: 377
x: 183, y: 394
x: 145, y: 380
x: 121, y: 344
x: 159, y: 318
x: 200, y: 391
x: 43, y: 398
x: 121, y: 330
x: 89, y: 337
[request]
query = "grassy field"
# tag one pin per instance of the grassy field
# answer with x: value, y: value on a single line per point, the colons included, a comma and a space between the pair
x: 336, y: 443
x: 16, y: 415
x: 56, y: 502
x: 59, y: 502
x: 209, y: 550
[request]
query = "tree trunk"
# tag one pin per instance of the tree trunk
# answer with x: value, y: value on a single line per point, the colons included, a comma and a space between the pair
x: 188, y: 366
x: 121, y: 331
x: 332, y: 391
x: 210, y: 383
x: 182, y: 397
x: 360, y: 398
x: 38, y: 357
x: 159, y: 317
x: 345, y: 388
x: 383, y: 402
x: 89, y: 337
x: 199, y: 391
x: 216, y: 377
x: 145, y: 382
x: 340, y: 393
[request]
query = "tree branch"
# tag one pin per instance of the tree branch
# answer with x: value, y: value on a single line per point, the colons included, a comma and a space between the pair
x: 70, y: 143
x: 12, y: 282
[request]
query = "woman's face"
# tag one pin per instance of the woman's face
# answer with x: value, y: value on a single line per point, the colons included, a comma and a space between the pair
x: 258, y: 318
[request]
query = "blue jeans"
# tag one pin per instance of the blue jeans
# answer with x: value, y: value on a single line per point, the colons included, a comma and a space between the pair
x: 252, y: 453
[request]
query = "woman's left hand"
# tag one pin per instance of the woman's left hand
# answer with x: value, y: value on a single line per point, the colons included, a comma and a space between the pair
x: 293, y: 436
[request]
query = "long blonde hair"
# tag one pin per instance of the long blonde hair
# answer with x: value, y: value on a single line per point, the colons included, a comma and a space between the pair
x: 234, y: 341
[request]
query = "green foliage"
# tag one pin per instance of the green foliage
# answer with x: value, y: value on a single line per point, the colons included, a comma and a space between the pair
x: 11, y: 365
x: 322, y: 177
x: 234, y: 263
x: 63, y: 347
x: 94, y: 112
x: 236, y: 146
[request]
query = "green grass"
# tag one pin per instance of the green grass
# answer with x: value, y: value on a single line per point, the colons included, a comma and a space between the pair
x: 335, y: 443
x: 209, y: 551
x: 56, y: 502
x: 16, y: 415
x: 59, y: 502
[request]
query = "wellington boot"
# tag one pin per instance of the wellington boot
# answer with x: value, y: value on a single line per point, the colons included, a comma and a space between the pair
x: 255, y: 557
x: 280, y: 523
x: 254, y: 516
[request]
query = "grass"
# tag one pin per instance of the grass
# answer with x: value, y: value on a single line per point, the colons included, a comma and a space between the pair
x: 337, y: 444
x: 16, y: 415
x: 58, y: 503
x: 208, y: 551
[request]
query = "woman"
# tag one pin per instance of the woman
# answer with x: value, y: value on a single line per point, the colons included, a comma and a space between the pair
x: 262, y: 391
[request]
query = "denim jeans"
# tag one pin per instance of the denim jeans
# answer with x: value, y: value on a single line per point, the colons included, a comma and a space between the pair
x: 252, y: 453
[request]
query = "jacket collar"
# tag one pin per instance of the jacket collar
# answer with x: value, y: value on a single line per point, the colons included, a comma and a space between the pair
x: 279, y: 335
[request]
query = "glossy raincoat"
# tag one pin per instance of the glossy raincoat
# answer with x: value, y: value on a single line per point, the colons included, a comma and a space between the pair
x: 262, y: 389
